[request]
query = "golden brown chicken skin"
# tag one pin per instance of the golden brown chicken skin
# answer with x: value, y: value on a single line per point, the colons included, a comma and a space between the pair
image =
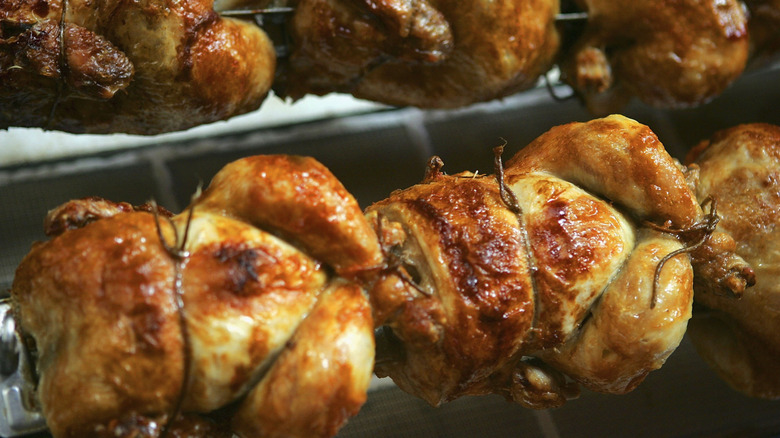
x: 138, y: 317
x: 142, y: 67
x: 525, y: 282
x: 668, y: 54
x: 424, y: 53
x: 741, y: 338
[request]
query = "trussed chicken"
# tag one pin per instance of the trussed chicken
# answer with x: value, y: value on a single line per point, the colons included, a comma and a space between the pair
x: 139, y: 67
x: 138, y: 319
x: 668, y: 54
x: 547, y: 272
x: 424, y: 53
x: 740, y: 167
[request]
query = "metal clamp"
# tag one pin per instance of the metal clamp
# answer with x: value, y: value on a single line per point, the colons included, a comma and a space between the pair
x: 19, y: 414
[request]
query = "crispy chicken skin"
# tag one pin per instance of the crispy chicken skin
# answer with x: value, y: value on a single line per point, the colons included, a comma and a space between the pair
x: 424, y: 53
x: 521, y: 284
x: 137, y: 316
x: 741, y: 338
x: 668, y: 54
x: 298, y: 198
x: 140, y: 67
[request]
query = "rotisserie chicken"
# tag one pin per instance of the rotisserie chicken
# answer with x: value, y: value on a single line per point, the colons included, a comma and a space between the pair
x: 142, y: 323
x: 669, y: 54
x: 140, y: 67
x: 573, y: 265
x: 741, y: 338
x: 516, y: 284
x: 424, y: 53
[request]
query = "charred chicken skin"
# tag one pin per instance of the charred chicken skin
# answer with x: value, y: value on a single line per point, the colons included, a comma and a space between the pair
x: 668, y: 54
x: 141, y: 67
x: 741, y: 338
x: 248, y: 312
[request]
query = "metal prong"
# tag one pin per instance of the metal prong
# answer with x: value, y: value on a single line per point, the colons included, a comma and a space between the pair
x: 249, y: 12
x: 572, y: 16
x: 19, y: 414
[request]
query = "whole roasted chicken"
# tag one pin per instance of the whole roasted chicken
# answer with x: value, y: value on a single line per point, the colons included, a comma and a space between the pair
x: 741, y: 338
x: 208, y: 322
x: 424, y: 53
x: 139, y: 67
x: 668, y: 54
x: 566, y: 266
x: 252, y: 312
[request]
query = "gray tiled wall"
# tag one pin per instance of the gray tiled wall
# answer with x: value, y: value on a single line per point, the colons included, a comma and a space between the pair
x: 375, y: 153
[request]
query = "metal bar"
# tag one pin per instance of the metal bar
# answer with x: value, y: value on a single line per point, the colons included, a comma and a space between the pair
x: 250, y: 12
x: 571, y: 16
x: 19, y: 414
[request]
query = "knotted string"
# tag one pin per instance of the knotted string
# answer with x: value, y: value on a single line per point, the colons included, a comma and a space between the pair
x: 179, y: 254
x: 706, y: 226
